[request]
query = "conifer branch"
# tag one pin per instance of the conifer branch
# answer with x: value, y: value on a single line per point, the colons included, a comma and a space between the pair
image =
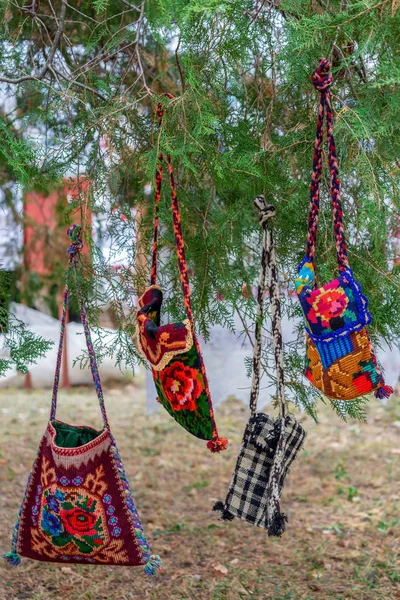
x: 49, y: 61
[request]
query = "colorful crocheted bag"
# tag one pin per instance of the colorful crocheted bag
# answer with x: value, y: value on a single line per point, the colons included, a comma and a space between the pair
x: 340, y: 359
x: 269, y: 444
x: 78, y: 506
x: 173, y: 350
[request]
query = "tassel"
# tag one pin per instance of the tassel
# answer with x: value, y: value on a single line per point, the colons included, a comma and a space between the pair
x: 277, y: 526
x: 383, y: 392
x: 153, y: 565
x: 217, y: 444
x: 12, y: 558
x: 225, y: 514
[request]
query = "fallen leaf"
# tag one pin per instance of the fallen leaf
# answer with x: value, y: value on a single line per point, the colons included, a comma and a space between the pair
x: 220, y: 568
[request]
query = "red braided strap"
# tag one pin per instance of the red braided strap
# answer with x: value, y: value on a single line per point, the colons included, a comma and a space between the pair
x: 180, y: 247
x: 322, y: 81
x: 157, y: 198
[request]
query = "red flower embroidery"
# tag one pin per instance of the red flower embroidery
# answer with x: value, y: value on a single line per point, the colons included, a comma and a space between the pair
x: 181, y: 386
x: 329, y: 303
x: 78, y: 522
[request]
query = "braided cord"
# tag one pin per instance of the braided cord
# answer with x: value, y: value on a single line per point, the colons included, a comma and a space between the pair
x: 179, y: 243
x: 322, y: 81
x: 341, y: 248
x: 75, y: 235
x: 157, y: 198
x: 268, y: 260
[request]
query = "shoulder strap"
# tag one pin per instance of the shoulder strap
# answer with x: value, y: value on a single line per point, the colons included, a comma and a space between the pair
x: 75, y: 236
x: 180, y: 246
x: 322, y: 81
x: 268, y: 260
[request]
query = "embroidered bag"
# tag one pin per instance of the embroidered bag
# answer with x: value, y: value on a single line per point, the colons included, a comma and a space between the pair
x: 78, y: 506
x: 269, y: 445
x: 340, y: 359
x: 173, y: 350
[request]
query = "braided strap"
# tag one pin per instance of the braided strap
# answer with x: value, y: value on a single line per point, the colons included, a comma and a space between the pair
x: 75, y: 236
x: 268, y: 259
x: 322, y: 81
x: 179, y: 243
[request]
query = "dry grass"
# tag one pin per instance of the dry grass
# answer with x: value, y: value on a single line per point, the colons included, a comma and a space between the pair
x: 342, y: 499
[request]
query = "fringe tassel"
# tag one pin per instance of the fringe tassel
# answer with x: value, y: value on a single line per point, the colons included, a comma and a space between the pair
x: 217, y: 444
x: 225, y: 514
x: 384, y: 391
x: 153, y: 565
x: 12, y: 558
x: 278, y: 525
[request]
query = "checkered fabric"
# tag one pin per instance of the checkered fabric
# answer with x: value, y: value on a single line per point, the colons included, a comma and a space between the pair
x: 247, y: 498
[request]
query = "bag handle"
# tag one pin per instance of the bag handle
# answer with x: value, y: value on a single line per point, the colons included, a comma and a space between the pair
x: 75, y: 236
x: 268, y: 260
x: 322, y: 80
x: 180, y: 246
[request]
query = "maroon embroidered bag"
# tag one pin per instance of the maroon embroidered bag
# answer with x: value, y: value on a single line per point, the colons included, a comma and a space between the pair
x: 173, y: 350
x: 78, y: 506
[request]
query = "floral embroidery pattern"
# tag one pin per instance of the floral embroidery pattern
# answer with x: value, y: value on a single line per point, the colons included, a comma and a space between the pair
x: 329, y: 305
x: 336, y: 308
x: 182, y: 385
x: 73, y: 516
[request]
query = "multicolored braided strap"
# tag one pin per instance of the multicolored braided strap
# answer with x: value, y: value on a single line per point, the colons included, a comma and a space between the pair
x: 173, y: 350
x: 340, y: 359
x: 78, y: 506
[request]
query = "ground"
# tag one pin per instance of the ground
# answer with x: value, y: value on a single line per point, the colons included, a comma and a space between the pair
x: 342, y: 498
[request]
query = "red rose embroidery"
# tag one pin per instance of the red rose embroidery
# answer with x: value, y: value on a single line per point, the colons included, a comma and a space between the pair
x: 78, y: 522
x: 181, y: 386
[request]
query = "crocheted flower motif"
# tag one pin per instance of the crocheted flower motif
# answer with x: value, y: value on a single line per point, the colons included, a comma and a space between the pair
x: 52, y: 503
x: 329, y: 306
x: 59, y: 495
x: 182, y: 385
x: 78, y: 521
x: 51, y: 524
x: 74, y: 519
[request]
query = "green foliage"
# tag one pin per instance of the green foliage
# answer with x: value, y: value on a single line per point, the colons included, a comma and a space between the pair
x: 100, y: 5
x: 242, y: 123
x: 24, y: 347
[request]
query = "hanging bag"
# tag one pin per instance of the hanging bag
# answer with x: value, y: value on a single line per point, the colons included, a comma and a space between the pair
x: 340, y: 359
x: 78, y: 506
x: 270, y: 444
x: 173, y: 350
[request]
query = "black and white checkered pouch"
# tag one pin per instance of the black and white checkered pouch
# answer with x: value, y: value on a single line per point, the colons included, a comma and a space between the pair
x: 269, y: 444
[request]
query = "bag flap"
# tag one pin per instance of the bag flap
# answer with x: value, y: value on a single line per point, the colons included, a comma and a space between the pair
x: 261, y: 431
x: 160, y: 343
x: 333, y: 310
